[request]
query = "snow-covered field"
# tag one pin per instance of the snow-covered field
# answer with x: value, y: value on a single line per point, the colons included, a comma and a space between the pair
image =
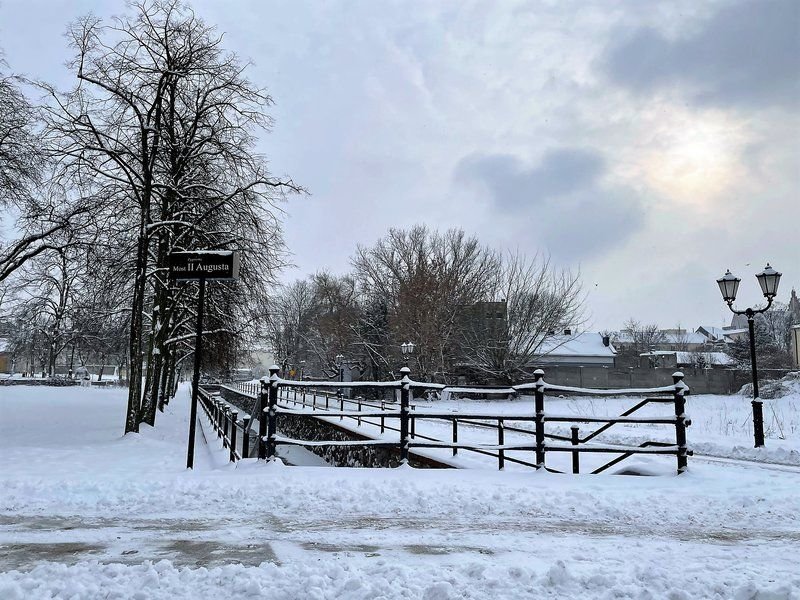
x: 86, y: 513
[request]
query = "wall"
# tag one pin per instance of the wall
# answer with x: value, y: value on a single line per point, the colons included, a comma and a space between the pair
x: 700, y: 381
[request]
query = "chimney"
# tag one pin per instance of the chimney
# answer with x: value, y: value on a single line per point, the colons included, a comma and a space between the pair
x: 568, y: 332
x: 606, y: 341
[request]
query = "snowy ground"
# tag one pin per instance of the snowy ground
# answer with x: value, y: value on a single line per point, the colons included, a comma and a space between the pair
x: 85, y: 513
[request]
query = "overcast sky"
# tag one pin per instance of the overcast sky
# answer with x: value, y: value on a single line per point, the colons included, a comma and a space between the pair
x: 650, y: 144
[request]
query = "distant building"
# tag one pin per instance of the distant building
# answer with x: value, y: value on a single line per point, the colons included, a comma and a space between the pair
x: 575, y: 350
x: 672, y: 359
x: 796, y: 344
x: 5, y: 356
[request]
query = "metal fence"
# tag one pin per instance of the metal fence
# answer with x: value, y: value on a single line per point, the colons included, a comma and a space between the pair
x: 276, y: 396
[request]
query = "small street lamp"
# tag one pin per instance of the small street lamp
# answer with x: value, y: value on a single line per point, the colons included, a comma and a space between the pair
x: 768, y: 279
x: 407, y: 348
x: 339, y: 360
x: 302, y: 369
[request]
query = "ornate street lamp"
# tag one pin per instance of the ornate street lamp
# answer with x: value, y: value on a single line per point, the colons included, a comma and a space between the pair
x: 339, y: 359
x: 407, y: 348
x: 768, y: 279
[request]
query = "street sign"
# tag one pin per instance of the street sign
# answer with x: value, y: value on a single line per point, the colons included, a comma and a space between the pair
x: 201, y: 265
x: 204, y: 264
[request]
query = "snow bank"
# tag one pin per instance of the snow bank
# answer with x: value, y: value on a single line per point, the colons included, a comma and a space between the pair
x: 375, y: 580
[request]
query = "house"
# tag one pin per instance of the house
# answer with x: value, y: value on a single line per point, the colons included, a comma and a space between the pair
x: 576, y: 350
x: 672, y: 359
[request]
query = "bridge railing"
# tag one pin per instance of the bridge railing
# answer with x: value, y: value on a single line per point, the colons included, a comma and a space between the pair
x: 269, y: 439
x: 233, y: 431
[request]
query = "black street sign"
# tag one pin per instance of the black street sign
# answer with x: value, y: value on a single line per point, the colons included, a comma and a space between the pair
x: 204, y: 264
x: 201, y: 265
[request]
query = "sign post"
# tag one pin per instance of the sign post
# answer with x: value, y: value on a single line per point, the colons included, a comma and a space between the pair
x: 200, y: 266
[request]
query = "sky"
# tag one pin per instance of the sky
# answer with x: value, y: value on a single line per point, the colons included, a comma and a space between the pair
x: 650, y: 145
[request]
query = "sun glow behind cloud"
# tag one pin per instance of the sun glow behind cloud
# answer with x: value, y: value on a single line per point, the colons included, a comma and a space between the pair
x: 694, y: 156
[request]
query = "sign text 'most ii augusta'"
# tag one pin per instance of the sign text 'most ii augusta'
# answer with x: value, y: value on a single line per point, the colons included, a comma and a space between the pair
x: 204, y: 264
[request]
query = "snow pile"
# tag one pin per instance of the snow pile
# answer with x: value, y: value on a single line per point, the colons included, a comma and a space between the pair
x: 378, y: 579
x: 768, y: 390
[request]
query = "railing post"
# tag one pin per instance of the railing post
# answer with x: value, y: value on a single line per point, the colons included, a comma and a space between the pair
x: 455, y: 436
x: 220, y: 416
x: 234, y: 417
x: 383, y: 419
x: 680, y: 420
x: 358, y: 420
x: 327, y: 400
x: 314, y: 403
x: 225, y: 419
x: 263, y: 400
x: 405, y: 392
x: 340, y: 395
x: 576, y: 456
x: 501, y: 440
x: 272, y: 412
x: 538, y: 376
x: 246, y: 436
x: 413, y: 422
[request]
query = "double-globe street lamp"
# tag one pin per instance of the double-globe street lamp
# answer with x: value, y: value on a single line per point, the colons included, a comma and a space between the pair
x: 768, y: 279
x: 407, y: 348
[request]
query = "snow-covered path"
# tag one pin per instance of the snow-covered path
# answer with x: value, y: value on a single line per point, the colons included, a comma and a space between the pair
x: 88, y: 514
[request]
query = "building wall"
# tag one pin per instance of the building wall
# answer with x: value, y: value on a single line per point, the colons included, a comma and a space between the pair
x: 796, y: 344
x: 700, y: 381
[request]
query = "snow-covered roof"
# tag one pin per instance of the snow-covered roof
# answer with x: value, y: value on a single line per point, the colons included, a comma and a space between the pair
x: 688, y: 358
x: 576, y: 344
x: 716, y: 333
x: 670, y: 337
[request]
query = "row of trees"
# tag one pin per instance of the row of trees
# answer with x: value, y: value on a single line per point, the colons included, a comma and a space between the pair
x: 152, y: 151
x: 465, y: 306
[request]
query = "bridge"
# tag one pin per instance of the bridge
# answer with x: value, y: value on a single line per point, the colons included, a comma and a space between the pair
x: 395, y: 430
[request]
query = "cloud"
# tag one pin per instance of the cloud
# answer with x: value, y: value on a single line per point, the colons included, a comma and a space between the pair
x: 747, y: 54
x: 515, y: 186
x: 574, y: 213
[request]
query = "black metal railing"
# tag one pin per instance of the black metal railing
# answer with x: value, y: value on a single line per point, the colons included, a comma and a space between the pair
x: 270, y: 409
x: 230, y: 429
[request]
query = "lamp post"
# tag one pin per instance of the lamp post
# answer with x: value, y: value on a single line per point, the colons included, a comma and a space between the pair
x: 302, y: 369
x: 339, y: 359
x: 768, y: 279
x: 407, y: 348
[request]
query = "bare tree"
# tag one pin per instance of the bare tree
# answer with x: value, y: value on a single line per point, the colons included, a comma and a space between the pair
x: 162, y: 122
x: 530, y: 301
x: 424, y: 279
x: 636, y: 338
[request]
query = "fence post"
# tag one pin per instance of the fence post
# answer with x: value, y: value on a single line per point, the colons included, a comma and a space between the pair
x: 359, y: 410
x: 340, y: 395
x: 234, y: 417
x: 455, y: 436
x: 383, y: 419
x: 405, y: 389
x: 413, y: 423
x: 225, y: 418
x: 501, y: 439
x: 327, y: 401
x: 263, y: 399
x: 220, y: 417
x: 538, y: 376
x: 576, y: 456
x: 272, y: 411
x: 246, y: 436
x: 680, y: 420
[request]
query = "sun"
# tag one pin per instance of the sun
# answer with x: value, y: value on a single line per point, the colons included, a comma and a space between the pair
x: 693, y: 157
